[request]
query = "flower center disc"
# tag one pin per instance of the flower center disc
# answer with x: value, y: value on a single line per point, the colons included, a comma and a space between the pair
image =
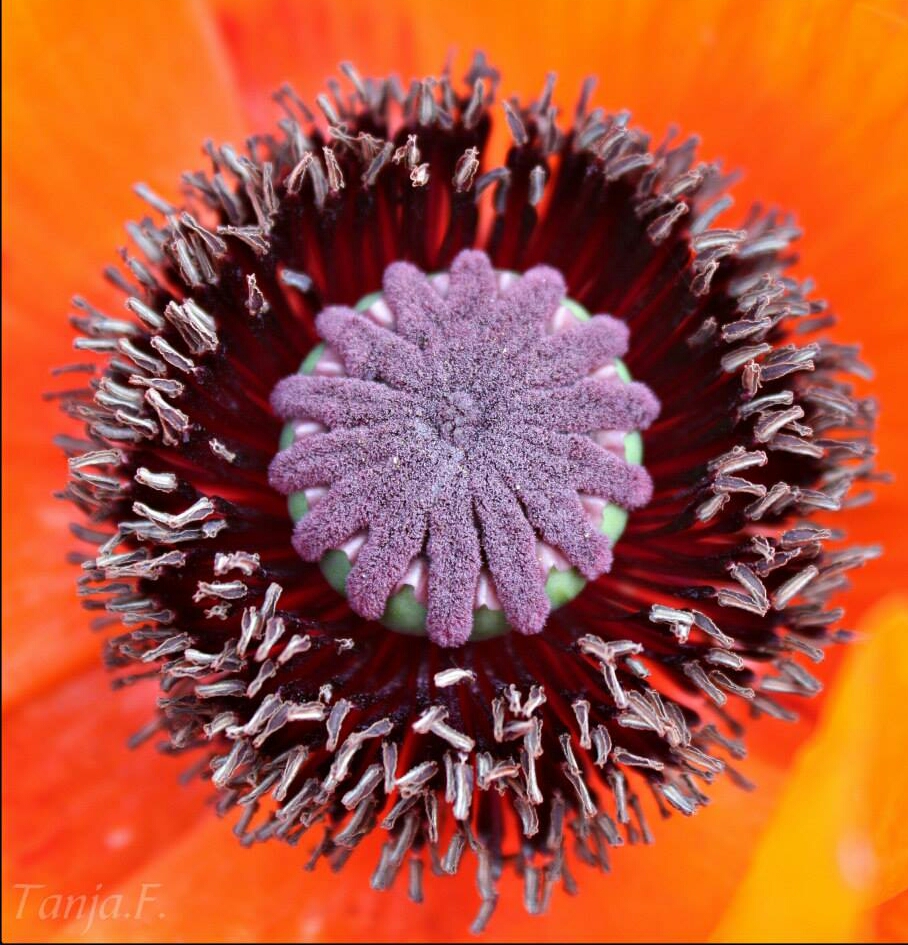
x: 453, y: 404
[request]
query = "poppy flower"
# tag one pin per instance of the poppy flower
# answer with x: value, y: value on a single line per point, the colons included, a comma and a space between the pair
x: 810, y: 103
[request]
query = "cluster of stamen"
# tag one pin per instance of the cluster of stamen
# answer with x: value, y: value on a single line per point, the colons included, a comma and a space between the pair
x: 529, y: 751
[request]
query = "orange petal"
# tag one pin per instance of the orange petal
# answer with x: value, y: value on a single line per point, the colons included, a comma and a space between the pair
x: 98, y: 98
x: 809, y: 99
x: 87, y: 810
x: 211, y: 888
x: 838, y: 841
x: 94, y: 97
x: 306, y: 42
x: 890, y: 921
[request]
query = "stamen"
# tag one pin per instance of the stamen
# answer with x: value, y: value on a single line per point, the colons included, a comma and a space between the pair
x: 460, y: 455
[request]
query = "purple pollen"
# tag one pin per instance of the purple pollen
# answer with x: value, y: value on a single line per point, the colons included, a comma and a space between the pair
x: 462, y: 428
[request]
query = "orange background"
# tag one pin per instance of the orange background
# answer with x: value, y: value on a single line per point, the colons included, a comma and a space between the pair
x: 810, y: 99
